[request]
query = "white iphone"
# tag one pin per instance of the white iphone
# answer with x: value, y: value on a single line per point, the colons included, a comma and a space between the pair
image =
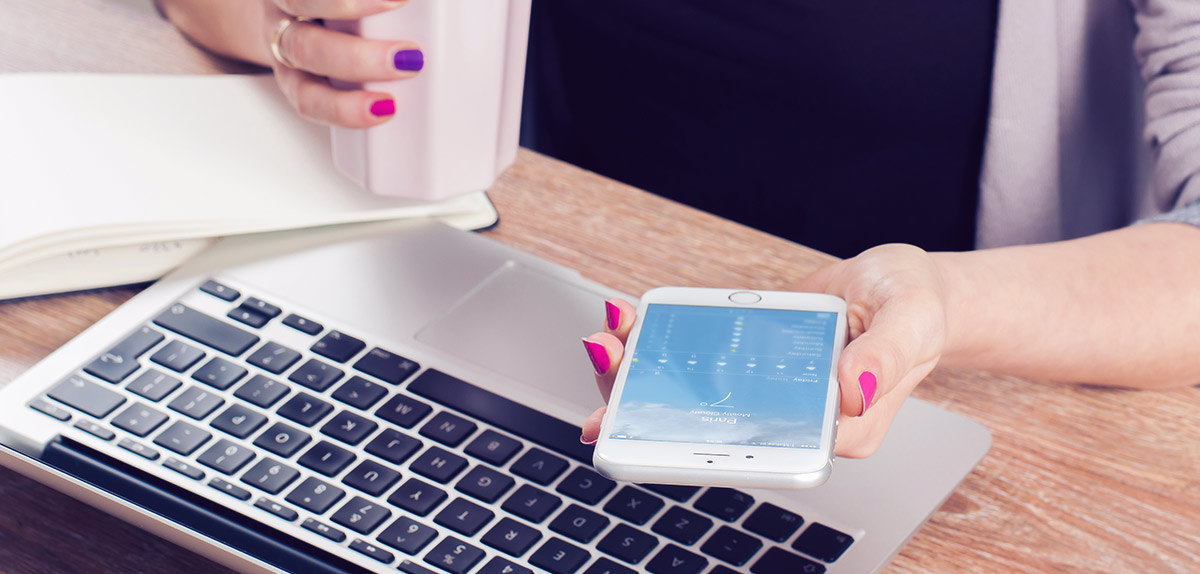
x: 722, y: 387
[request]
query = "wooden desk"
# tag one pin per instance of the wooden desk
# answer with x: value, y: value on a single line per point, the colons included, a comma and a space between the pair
x: 1079, y: 478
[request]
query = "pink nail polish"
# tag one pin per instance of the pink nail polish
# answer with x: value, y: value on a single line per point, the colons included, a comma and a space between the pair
x: 599, y: 356
x: 614, y: 315
x: 867, y: 383
x: 383, y: 108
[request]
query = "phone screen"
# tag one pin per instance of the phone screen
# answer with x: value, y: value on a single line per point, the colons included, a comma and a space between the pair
x: 733, y: 376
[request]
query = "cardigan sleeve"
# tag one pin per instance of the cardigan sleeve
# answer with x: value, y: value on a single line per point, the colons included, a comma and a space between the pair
x: 1168, y: 51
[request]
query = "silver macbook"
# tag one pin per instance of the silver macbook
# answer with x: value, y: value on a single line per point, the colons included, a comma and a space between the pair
x: 407, y: 397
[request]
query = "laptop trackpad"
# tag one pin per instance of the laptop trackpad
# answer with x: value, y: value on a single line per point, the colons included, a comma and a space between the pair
x: 526, y: 325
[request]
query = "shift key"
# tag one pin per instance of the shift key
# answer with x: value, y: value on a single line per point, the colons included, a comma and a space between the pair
x: 86, y: 396
x: 205, y: 329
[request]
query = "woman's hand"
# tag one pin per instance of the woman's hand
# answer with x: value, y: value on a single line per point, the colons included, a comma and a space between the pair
x: 304, y: 55
x: 897, y: 330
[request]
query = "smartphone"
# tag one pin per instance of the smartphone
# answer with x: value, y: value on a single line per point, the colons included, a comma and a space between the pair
x: 724, y: 387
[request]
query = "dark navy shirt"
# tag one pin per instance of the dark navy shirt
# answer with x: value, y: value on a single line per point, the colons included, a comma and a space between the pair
x: 838, y: 124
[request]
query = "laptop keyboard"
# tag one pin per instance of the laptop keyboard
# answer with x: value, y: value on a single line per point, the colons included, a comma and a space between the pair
x: 398, y: 462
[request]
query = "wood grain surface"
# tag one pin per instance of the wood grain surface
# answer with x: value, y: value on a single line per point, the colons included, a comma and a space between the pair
x: 1080, y: 478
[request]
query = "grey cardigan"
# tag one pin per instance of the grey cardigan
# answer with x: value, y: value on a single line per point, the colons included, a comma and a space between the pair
x: 1078, y: 140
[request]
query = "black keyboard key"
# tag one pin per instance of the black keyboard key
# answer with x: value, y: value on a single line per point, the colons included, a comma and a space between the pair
x: 260, y: 306
x: 349, y: 428
x: 316, y: 375
x: 822, y: 542
x: 498, y: 565
x: 230, y: 489
x: 86, y: 396
x: 407, y: 535
x: 464, y: 517
x: 417, y: 497
x: 140, y: 420
x: 368, y: 549
x: 386, y: 366
x: 324, y: 530
x: 196, y: 402
x: 219, y: 373
x: 722, y: 569
x: 239, y: 420
x: 586, y: 485
x: 138, y: 449
x: 532, y: 504
x: 410, y: 567
x: 184, y: 468
x: 277, y: 509
x: 94, y: 429
x: 773, y: 522
x: 303, y: 324
x: 326, y: 458
x: 448, y: 429
x: 338, y: 346
x: 627, y: 543
x: 634, y: 505
x: 780, y: 561
x: 393, y: 446
x: 682, y: 525
x: 315, y: 495
x: 206, y: 330
x: 485, y: 484
x: 248, y: 316
x: 182, y: 438
x: 438, y: 464
x: 273, y: 358
x: 282, y: 439
x: 154, y: 385
x: 177, y: 356
x: 493, y: 447
x: 675, y: 560
x: 404, y: 411
x: 454, y: 555
x: 724, y: 503
x: 559, y: 557
x: 262, y: 391
x: 220, y: 291
x: 305, y: 409
x: 226, y: 457
x: 361, y: 515
x: 511, y: 537
x: 578, y: 523
x: 50, y: 409
x: 539, y: 466
x: 675, y: 492
x: 270, y: 476
x: 502, y: 413
x: 122, y: 360
x: 732, y: 546
x: 606, y: 566
x: 371, y: 477
x: 360, y: 393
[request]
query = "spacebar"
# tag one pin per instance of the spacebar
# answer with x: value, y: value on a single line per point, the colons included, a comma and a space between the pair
x: 496, y: 410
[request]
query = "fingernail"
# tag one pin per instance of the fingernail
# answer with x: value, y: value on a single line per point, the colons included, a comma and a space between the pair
x: 584, y: 440
x: 383, y: 108
x: 409, y: 60
x: 866, y: 382
x: 599, y: 356
x: 614, y: 315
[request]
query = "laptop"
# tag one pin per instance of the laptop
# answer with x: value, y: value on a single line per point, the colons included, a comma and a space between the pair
x: 407, y: 396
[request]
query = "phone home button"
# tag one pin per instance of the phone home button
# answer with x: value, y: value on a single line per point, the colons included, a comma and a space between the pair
x: 745, y: 298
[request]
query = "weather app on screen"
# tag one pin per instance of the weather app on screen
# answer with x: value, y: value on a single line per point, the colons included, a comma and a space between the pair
x: 735, y: 376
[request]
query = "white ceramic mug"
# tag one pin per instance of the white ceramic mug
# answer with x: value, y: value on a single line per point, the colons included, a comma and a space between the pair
x: 457, y: 122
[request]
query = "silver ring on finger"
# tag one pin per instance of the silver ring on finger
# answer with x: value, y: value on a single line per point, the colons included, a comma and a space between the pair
x: 277, y: 38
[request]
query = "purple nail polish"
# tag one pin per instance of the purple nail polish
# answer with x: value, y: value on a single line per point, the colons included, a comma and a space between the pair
x: 613, y: 313
x: 867, y: 383
x: 599, y: 356
x: 409, y: 60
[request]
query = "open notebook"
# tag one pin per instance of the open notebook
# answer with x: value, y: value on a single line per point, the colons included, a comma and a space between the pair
x: 407, y: 397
